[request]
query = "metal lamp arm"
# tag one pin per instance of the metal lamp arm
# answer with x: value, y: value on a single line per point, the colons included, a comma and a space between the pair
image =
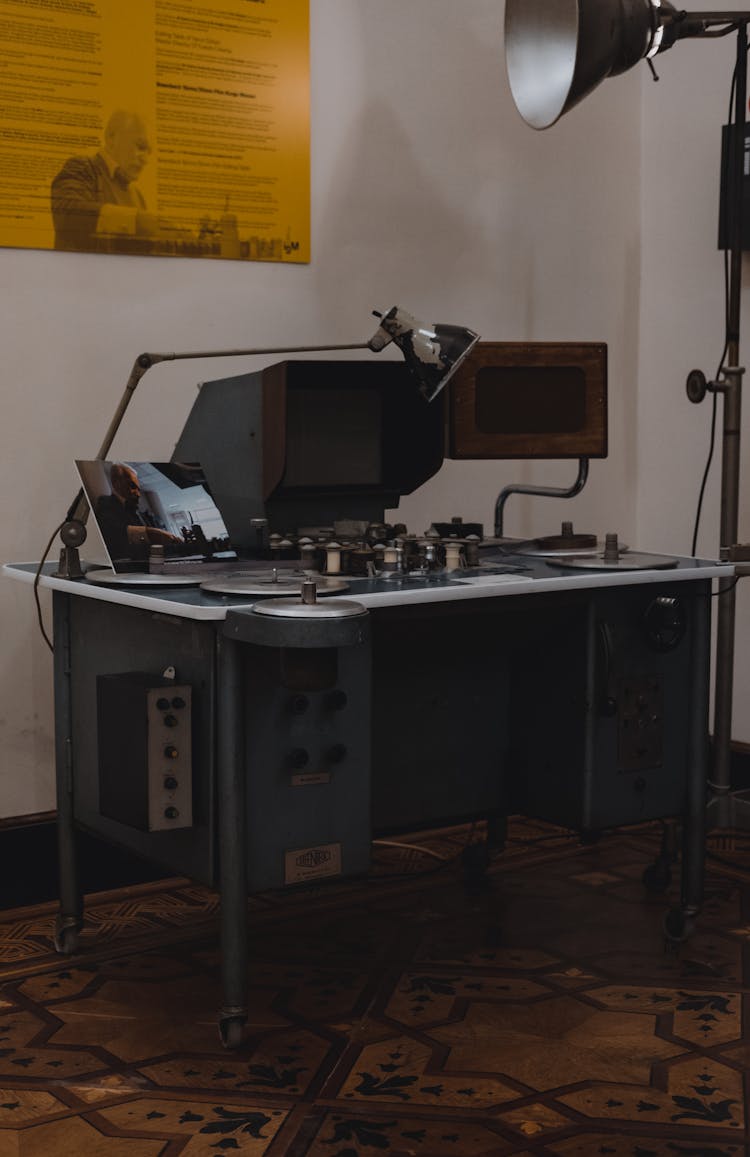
x: 79, y: 509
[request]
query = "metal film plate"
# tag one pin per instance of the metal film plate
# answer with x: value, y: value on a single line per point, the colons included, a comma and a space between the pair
x: 550, y: 554
x: 296, y: 609
x: 141, y: 579
x: 630, y: 561
x: 263, y: 586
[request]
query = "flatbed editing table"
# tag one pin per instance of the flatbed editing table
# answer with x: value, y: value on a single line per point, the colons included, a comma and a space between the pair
x: 580, y: 696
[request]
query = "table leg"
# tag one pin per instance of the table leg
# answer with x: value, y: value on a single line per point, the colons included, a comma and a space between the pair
x: 679, y: 922
x: 232, y: 829
x: 70, y: 916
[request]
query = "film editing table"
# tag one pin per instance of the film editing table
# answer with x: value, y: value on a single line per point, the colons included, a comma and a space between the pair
x: 252, y: 745
x: 251, y: 750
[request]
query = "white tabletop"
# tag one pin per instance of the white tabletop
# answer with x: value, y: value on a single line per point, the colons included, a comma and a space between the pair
x: 192, y: 603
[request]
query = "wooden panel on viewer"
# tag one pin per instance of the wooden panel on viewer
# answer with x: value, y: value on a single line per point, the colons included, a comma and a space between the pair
x: 530, y: 400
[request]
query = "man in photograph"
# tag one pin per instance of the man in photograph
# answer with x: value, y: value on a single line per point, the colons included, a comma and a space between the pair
x: 120, y: 521
x: 95, y: 196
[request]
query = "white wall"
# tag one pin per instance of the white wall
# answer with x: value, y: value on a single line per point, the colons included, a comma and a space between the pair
x: 428, y: 192
x: 682, y: 312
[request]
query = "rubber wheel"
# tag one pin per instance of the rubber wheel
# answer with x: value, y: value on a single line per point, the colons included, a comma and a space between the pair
x: 66, y: 939
x: 678, y: 927
x: 231, y: 1031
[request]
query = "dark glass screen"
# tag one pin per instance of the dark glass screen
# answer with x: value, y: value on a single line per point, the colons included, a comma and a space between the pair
x: 333, y: 437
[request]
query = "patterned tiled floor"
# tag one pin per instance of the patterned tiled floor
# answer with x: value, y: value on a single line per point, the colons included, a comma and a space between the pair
x: 535, y: 1015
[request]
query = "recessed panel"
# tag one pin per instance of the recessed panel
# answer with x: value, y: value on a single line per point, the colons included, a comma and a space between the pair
x: 530, y: 400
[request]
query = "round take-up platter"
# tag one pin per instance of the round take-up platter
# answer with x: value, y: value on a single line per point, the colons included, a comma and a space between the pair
x: 592, y: 550
x: 631, y: 560
x: 264, y: 585
x: 107, y: 577
x: 296, y: 609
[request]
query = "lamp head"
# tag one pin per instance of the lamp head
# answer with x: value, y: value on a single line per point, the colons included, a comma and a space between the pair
x: 557, y: 51
x: 433, y: 353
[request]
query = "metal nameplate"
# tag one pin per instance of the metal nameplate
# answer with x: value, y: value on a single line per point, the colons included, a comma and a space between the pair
x: 312, y: 863
x: 311, y: 777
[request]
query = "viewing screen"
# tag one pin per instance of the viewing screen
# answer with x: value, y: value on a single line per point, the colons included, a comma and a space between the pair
x: 333, y: 437
x: 530, y: 399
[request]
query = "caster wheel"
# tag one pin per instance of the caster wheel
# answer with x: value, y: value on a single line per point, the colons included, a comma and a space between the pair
x: 231, y: 1031
x: 66, y: 938
x: 678, y: 927
x: 657, y: 877
x: 475, y: 860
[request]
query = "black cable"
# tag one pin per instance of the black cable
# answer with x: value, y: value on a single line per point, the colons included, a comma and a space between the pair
x: 725, y: 590
x: 37, y: 577
x: 714, y: 406
x: 707, y: 470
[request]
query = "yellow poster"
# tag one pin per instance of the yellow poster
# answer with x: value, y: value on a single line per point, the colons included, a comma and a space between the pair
x: 165, y: 127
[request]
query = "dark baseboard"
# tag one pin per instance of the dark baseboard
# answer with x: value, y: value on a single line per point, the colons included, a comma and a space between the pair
x: 28, y: 863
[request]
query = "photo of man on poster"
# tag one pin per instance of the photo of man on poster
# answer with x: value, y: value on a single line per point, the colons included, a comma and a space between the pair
x: 98, y: 196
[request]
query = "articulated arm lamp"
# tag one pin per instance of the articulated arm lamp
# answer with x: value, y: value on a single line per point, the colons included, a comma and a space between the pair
x: 557, y: 52
x: 432, y: 353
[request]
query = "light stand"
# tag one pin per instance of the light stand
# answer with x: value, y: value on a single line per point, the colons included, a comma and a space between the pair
x: 725, y: 809
x: 557, y: 51
x: 432, y: 354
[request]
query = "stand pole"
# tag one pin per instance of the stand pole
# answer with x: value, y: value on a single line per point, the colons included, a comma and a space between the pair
x: 730, y: 473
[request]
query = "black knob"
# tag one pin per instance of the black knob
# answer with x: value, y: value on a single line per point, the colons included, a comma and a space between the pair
x: 299, y: 704
x: 298, y: 757
x: 337, y: 700
x: 171, y: 721
x: 171, y: 783
x: 171, y: 813
x: 665, y: 622
x: 171, y: 752
x: 178, y: 702
x: 336, y: 754
x: 162, y: 704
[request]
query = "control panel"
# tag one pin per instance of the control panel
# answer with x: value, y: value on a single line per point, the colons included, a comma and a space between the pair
x: 144, y: 738
x: 169, y: 757
x: 307, y: 742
